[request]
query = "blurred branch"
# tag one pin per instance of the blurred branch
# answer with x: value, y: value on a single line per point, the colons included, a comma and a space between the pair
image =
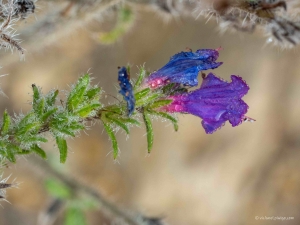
x: 57, y: 24
x: 76, y: 186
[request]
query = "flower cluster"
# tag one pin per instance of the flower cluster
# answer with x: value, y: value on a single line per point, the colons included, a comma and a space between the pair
x: 216, y: 101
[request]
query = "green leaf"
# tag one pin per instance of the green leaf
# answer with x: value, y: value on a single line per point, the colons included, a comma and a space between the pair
x: 117, y: 122
x: 113, y: 108
x: 142, y: 75
x: 93, y: 93
x: 149, y: 130
x: 57, y: 189
x: 75, y: 216
x: 46, y: 115
x: 5, y: 123
x: 10, y: 152
x: 166, y: 116
x: 51, y: 98
x: 75, y: 126
x: 64, y: 130
x: 160, y: 103
x: 35, y: 138
x: 24, y: 152
x: 28, y: 128
x: 141, y: 94
x: 86, y: 110
x: 129, y: 121
x: 27, y: 119
x: 39, y: 107
x: 113, y: 139
x: 36, y: 94
x: 39, y: 151
x: 63, y: 148
x: 147, y: 100
x: 77, y: 93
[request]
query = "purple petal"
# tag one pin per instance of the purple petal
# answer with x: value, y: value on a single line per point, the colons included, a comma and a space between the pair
x: 216, y: 101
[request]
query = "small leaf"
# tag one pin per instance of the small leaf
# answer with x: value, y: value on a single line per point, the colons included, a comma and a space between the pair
x: 77, y: 93
x: 113, y: 139
x: 24, y: 152
x: 39, y: 151
x: 10, y: 153
x: 147, y: 100
x: 93, y: 93
x: 113, y: 108
x: 149, y: 130
x: 5, y: 123
x: 76, y: 126
x: 27, y: 119
x: 117, y: 122
x: 51, y: 98
x: 64, y: 130
x: 75, y: 216
x: 39, y: 107
x: 36, y: 94
x: 129, y: 121
x: 28, y: 128
x: 166, y: 116
x: 46, y: 115
x: 35, y: 138
x: 142, y: 75
x: 160, y: 103
x: 141, y: 94
x: 57, y: 189
x: 63, y: 148
x: 86, y: 110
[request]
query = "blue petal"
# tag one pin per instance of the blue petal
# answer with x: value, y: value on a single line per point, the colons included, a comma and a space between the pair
x: 184, y: 68
x: 126, y: 89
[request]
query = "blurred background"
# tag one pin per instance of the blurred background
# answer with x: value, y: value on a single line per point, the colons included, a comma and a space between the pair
x: 190, y: 178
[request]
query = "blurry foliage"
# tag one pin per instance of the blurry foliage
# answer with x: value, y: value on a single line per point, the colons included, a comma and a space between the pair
x: 124, y: 23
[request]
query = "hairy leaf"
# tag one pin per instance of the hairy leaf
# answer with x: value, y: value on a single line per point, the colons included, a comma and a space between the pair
x: 93, y: 93
x: 77, y: 93
x: 51, y: 98
x: 5, y: 123
x: 36, y: 94
x: 149, y: 130
x: 46, y: 115
x: 141, y: 94
x: 147, y: 100
x: 142, y: 75
x: 166, y: 116
x: 86, y: 110
x: 160, y: 103
x: 63, y: 148
x: 117, y: 122
x: 39, y: 107
x: 39, y: 151
x: 113, y: 139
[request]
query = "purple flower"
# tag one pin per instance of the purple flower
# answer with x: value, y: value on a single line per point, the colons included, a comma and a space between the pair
x: 216, y: 101
x: 183, y: 68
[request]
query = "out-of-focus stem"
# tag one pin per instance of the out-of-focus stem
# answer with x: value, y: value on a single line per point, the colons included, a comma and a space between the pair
x: 77, y: 186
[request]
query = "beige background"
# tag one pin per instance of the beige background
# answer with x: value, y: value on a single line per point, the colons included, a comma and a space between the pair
x: 190, y: 178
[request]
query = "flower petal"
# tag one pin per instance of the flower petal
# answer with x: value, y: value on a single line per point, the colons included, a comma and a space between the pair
x: 216, y: 101
x: 183, y: 68
x: 126, y: 89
